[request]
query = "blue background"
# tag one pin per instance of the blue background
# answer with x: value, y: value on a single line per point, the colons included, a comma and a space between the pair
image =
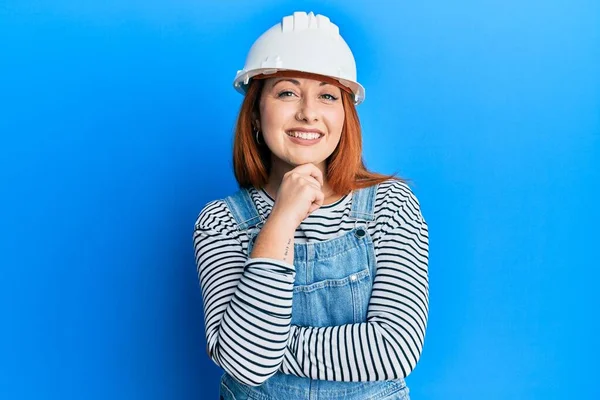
x: 116, y: 121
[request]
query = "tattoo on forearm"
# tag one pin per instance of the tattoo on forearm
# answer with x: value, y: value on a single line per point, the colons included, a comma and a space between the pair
x: 287, y: 250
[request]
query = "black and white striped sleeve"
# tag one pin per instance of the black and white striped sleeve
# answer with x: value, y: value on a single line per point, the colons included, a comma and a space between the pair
x: 247, y: 301
x: 389, y: 344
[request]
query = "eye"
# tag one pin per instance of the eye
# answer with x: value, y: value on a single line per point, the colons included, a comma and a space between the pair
x: 329, y: 97
x: 285, y: 93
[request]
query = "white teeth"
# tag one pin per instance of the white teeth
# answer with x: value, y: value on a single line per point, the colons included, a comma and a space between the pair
x: 305, y: 135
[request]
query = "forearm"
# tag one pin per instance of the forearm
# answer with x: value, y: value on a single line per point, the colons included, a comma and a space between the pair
x: 252, y: 334
x: 353, y: 352
x: 275, y: 240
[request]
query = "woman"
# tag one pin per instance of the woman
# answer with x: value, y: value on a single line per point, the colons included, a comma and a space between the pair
x: 314, y: 274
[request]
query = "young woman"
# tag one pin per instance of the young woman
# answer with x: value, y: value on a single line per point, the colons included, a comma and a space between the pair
x: 314, y: 275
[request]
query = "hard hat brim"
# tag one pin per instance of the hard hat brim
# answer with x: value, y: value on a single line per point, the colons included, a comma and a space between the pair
x: 242, y: 80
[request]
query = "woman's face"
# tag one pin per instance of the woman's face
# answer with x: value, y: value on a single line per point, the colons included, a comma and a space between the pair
x: 304, y: 108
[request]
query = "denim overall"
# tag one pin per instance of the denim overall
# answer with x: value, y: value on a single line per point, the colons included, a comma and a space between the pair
x: 333, y: 286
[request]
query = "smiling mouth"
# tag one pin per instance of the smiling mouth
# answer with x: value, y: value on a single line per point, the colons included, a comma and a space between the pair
x: 305, y: 135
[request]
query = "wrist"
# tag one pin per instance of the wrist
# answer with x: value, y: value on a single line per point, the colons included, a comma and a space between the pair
x: 283, y: 222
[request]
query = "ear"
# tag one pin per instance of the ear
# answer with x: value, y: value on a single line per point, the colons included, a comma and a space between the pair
x: 255, y: 122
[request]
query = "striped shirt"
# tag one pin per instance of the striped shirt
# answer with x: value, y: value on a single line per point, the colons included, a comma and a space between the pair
x: 248, y: 301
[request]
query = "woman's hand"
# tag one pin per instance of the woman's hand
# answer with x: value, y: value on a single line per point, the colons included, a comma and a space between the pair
x: 299, y: 194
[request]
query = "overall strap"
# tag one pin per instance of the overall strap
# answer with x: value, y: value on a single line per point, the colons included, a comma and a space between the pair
x: 243, y: 209
x: 363, y: 203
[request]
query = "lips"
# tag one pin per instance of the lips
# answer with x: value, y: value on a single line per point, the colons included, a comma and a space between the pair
x: 304, y: 142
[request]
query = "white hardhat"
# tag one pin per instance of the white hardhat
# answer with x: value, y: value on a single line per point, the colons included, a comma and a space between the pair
x: 302, y: 42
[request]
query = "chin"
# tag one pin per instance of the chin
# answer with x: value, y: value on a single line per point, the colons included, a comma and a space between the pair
x: 296, y: 162
x: 302, y: 158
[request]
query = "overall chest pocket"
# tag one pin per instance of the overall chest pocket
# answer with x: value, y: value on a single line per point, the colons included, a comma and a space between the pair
x: 332, y: 302
x: 334, y: 290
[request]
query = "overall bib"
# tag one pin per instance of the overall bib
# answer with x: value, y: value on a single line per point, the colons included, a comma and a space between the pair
x: 332, y: 287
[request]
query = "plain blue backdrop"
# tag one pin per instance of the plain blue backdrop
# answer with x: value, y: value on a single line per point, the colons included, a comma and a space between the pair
x: 116, y: 121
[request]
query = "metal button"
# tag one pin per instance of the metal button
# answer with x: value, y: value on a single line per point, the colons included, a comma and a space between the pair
x: 360, y: 232
x: 352, y: 277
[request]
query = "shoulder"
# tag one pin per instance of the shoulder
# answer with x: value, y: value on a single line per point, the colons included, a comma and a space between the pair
x: 396, y: 205
x: 215, y: 216
x: 395, y: 195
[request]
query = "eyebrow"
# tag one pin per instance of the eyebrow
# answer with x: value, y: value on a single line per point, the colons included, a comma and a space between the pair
x: 295, y: 82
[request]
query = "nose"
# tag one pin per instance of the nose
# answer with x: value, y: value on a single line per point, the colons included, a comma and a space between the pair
x: 307, y: 111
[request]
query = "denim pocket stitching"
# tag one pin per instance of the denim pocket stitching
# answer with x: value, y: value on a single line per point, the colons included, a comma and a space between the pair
x: 333, y: 282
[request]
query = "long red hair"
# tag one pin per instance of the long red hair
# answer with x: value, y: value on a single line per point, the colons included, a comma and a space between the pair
x: 346, y: 170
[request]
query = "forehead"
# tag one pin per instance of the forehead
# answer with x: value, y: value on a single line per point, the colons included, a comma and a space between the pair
x: 300, y: 79
x: 297, y: 81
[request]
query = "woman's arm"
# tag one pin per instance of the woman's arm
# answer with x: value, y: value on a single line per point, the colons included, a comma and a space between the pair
x: 389, y: 344
x: 247, y: 301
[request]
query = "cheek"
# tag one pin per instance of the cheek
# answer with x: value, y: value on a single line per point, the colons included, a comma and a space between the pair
x: 336, y: 120
x: 274, y: 116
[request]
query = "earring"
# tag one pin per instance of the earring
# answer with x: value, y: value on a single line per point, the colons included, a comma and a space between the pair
x: 257, y: 141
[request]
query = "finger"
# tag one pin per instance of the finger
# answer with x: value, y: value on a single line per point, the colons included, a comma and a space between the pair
x: 316, y: 173
x: 317, y: 202
x: 312, y: 181
x: 311, y: 170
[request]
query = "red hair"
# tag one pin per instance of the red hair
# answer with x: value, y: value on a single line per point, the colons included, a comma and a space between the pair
x: 345, y: 171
